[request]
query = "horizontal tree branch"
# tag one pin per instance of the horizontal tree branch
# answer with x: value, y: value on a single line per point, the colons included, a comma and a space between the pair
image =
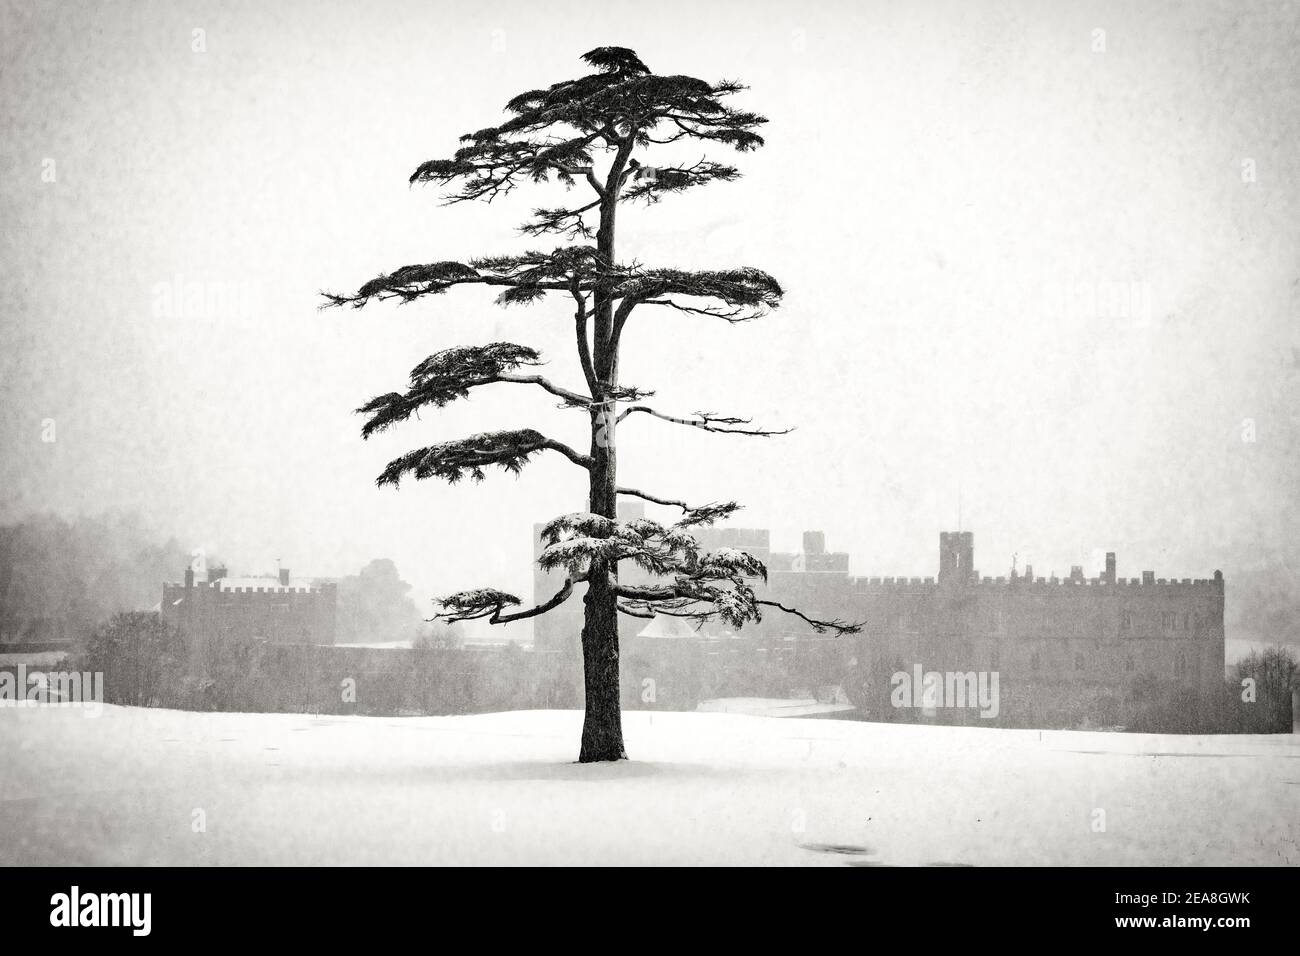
x: 644, y: 592
x: 706, y: 421
x: 570, y: 398
x: 669, y: 502
x: 524, y: 278
x: 838, y: 626
x: 734, y: 315
x: 489, y: 603
x: 695, y: 514
x: 560, y: 596
x: 631, y: 612
x: 679, y: 597
x: 510, y: 450
x: 451, y: 374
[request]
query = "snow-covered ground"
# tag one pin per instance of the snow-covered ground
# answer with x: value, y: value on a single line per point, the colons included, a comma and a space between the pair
x: 773, y: 707
x: 131, y: 786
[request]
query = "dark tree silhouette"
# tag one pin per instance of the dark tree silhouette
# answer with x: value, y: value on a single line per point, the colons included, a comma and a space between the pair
x: 586, y: 131
x: 374, y: 605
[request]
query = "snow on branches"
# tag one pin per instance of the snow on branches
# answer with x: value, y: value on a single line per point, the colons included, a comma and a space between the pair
x: 698, y: 583
x: 708, y: 514
x: 408, y: 283
x: 572, y: 541
x: 556, y: 132
x: 479, y: 602
x: 691, y: 582
x: 588, y: 129
x: 444, y: 377
x: 749, y: 292
x: 452, y: 460
x: 744, y: 293
x: 526, y: 277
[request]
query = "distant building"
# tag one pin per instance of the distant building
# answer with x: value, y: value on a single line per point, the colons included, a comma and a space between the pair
x: 278, y: 609
x: 1070, y: 644
x: 1061, y: 647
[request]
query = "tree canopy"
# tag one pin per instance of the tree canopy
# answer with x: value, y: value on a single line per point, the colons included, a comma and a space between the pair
x: 585, y: 133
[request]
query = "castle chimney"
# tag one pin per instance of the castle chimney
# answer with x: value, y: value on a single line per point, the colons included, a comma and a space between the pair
x: 189, y: 578
x: 1110, y: 568
x: 215, y: 574
x: 284, y: 577
x: 814, y: 542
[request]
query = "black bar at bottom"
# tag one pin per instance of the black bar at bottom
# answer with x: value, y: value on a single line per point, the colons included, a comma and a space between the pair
x: 830, y: 906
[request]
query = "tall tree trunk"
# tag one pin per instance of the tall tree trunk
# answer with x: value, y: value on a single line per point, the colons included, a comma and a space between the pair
x: 602, y: 726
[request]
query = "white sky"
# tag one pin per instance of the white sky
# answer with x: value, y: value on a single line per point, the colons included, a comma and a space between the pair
x: 944, y: 185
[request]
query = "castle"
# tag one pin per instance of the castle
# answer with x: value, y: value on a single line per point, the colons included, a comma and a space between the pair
x: 1061, y: 647
x: 1076, y: 644
x: 273, y: 609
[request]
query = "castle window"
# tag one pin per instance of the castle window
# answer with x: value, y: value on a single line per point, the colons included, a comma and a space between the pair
x: 1078, y: 662
x: 1126, y: 621
x: 1128, y: 663
x: 1187, y: 622
x: 1180, y: 664
x: 1035, y: 660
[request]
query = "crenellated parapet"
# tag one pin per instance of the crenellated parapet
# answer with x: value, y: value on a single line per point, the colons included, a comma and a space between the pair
x: 1171, y: 585
x: 276, y: 611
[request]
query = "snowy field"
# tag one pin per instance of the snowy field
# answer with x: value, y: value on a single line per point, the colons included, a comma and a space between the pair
x: 704, y: 788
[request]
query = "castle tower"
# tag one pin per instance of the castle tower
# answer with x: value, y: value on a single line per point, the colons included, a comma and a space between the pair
x: 956, y: 557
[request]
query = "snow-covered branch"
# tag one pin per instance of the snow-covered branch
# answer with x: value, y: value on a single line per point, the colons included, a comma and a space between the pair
x: 716, y: 593
x: 450, y: 461
x: 449, y: 375
x: 555, y: 133
x: 525, y: 277
x: 490, y: 603
x: 745, y: 293
x: 694, y: 514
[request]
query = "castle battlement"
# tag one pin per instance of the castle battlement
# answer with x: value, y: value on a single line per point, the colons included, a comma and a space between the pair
x: 1053, y: 640
x: 1059, y: 632
x: 956, y: 568
x: 1171, y: 584
x: 215, y: 588
x: 252, y: 590
x: 867, y: 583
x: 276, y: 611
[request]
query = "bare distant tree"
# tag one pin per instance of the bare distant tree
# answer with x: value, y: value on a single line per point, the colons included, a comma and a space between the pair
x: 587, y: 131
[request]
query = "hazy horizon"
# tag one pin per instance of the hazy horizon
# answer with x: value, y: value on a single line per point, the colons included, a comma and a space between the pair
x: 1050, y: 285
